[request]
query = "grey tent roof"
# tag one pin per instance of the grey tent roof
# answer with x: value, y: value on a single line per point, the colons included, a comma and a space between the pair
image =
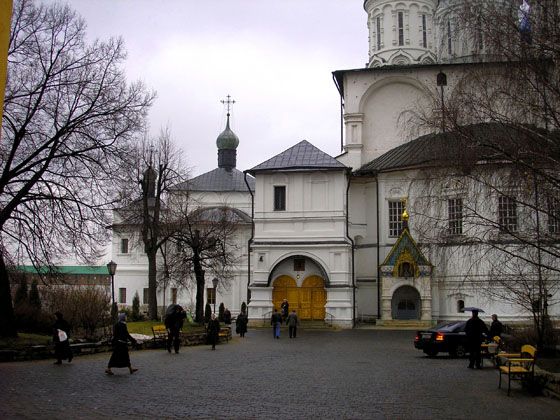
x: 464, y: 146
x: 217, y: 180
x: 302, y: 156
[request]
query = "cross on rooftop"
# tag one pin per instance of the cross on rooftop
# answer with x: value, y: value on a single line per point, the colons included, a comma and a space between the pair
x: 228, y: 102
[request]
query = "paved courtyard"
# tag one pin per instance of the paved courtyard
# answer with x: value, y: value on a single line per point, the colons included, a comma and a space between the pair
x: 358, y: 374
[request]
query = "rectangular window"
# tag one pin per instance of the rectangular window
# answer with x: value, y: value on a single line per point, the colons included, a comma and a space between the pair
x: 449, y: 43
x: 299, y: 264
x: 424, y: 32
x: 553, y: 215
x: 174, y: 295
x: 279, y: 198
x: 122, y: 295
x: 378, y: 28
x: 455, y: 216
x: 507, y: 214
x: 400, y: 17
x: 210, y: 298
x: 124, y: 246
x: 396, y: 209
x: 146, y: 296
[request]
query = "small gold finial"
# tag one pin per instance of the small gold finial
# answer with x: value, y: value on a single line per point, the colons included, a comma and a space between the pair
x: 404, y: 215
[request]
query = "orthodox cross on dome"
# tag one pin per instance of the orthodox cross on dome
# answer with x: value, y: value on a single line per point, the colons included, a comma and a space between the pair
x: 228, y: 103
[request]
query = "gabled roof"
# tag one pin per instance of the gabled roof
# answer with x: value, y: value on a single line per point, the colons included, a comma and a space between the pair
x: 405, y: 241
x: 463, y: 147
x: 218, y: 180
x: 301, y: 157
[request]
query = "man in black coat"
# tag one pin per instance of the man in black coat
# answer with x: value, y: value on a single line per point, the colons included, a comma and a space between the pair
x: 475, y: 329
x: 495, y: 328
x: 276, y: 321
x: 174, y: 324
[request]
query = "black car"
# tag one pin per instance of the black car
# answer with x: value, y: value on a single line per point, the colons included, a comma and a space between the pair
x: 448, y: 337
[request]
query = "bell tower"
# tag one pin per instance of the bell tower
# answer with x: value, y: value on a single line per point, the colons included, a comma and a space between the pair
x: 401, y: 32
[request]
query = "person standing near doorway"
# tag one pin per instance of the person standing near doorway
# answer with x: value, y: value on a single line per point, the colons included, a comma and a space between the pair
x: 293, y: 322
x: 276, y: 321
x: 285, y: 309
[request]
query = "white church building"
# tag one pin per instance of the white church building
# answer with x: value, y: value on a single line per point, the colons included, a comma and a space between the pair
x: 342, y: 238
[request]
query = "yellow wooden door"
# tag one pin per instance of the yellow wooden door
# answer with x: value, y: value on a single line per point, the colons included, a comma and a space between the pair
x: 283, y: 289
x: 313, y: 288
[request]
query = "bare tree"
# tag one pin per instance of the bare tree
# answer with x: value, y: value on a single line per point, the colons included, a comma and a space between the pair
x: 205, y: 242
x: 156, y: 166
x: 68, y: 119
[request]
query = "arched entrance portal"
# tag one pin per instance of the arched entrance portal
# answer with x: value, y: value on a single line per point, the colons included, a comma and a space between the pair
x: 308, y: 300
x: 406, y: 303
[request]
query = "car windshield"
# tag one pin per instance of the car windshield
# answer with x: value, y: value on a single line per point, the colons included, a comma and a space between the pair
x: 448, y: 326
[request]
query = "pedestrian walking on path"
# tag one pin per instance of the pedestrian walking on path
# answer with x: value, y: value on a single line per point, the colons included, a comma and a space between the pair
x: 293, y: 322
x: 276, y: 321
x: 120, y: 357
x: 241, y: 324
x: 61, y: 338
x: 213, y: 331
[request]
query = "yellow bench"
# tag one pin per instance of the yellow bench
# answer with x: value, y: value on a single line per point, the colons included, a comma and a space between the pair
x: 160, y: 332
x: 224, y: 334
x: 517, y: 368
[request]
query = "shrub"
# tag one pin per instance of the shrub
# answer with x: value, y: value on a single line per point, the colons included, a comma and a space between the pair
x: 84, y: 307
x: 136, y: 315
x: 34, y: 298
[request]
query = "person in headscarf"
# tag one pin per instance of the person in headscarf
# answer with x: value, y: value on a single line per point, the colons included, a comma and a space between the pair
x: 213, y: 331
x: 120, y: 357
x: 61, y: 339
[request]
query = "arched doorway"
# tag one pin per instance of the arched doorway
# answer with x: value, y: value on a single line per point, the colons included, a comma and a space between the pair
x: 406, y: 303
x: 309, y: 300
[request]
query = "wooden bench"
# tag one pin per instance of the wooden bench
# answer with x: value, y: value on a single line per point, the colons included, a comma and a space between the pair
x: 224, y: 333
x: 160, y: 332
x: 518, y: 368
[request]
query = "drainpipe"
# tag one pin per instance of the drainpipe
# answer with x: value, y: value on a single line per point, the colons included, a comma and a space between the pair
x: 378, y: 251
x: 250, y: 241
x: 349, y: 173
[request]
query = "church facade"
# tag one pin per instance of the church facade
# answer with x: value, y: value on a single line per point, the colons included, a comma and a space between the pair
x: 348, y: 239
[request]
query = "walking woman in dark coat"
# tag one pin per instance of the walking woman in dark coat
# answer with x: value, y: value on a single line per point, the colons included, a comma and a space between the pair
x: 241, y: 324
x: 120, y: 357
x: 61, y: 334
x: 213, y: 331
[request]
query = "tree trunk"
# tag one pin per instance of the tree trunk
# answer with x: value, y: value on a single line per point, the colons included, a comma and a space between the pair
x: 7, y: 321
x: 152, y: 285
x: 199, y: 274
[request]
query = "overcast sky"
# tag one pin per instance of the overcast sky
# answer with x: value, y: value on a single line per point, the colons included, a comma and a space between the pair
x: 275, y: 59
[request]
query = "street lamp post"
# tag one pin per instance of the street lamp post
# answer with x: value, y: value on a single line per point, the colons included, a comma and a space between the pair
x: 215, y: 283
x: 112, y: 268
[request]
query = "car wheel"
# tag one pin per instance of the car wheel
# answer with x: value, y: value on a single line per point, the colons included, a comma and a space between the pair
x: 458, y: 351
x: 431, y: 353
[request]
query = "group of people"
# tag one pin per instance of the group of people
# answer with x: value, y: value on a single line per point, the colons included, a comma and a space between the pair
x: 292, y: 320
x: 477, y: 333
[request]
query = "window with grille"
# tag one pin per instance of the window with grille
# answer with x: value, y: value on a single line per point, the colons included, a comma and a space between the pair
x: 122, y: 295
x: 449, y: 39
x: 396, y: 209
x: 279, y: 198
x: 145, y: 296
x: 400, y: 21
x: 553, y: 215
x: 210, y: 296
x: 455, y: 216
x: 507, y: 214
x: 424, y: 32
x: 124, y: 246
x: 378, y: 29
